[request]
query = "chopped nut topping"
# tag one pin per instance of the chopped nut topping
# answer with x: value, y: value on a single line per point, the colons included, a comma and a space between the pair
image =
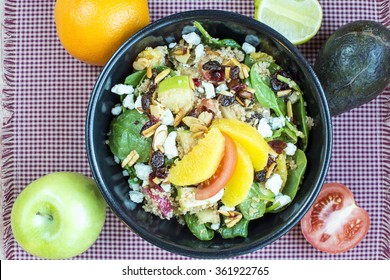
x: 130, y: 159
x: 150, y: 131
x: 161, y: 75
x: 159, y: 138
x: 206, y: 117
x: 232, y: 217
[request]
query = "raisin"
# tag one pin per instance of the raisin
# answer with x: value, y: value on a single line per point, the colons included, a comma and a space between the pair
x: 277, y: 85
x: 234, y: 72
x: 227, y: 100
x: 212, y: 65
x: 260, y: 176
x: 148, y: 124
x: 146, y: 100
x: 161, y: 172
x: 157, y: 159
x: 236, y: 85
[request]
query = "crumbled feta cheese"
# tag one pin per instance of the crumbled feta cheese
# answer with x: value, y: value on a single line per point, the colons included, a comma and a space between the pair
x: 282, y: 199
x: 225, y: 208
x: 199, y: 52
x: 125, y: 173
x: 266, y: 114
x: 221, y: 87
x: 116, y: 110
x: 133, y: 185
x: 290, y: 149
x: 166, y: 187
x: 167, y: 118
x: 215, y: 226
x: 172, y: 45
x: 248, y: 48
x: 136, y: 196
x: 117, y: 160
x: 274, y: 183
x: 121, y: 89
x: 128, y: 102
x: 264, y: 129
x: 170, y: 149
x: 192, y: 38
x: 138, y: 104
x: 277, y: 122
x: 142, y: 171
x: 209, y: 90
x: 200, y: 89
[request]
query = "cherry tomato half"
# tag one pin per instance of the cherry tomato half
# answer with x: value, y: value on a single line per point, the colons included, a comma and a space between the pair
x: 224, y: 171
x: 335, y: 224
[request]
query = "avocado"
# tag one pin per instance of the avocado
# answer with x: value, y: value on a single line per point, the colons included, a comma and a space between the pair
x: 353, y: 65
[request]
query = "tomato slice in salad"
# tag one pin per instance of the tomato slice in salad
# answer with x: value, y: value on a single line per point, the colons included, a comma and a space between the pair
x: 217, y: 182
x: 335, y: 224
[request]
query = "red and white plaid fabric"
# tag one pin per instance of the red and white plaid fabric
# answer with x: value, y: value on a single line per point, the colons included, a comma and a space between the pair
x: 46, y: 97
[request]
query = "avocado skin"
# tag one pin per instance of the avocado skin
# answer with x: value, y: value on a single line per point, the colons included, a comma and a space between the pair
x: 353, y: 65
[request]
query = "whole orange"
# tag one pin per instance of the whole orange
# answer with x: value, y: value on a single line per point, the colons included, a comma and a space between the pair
x: 91, y: 30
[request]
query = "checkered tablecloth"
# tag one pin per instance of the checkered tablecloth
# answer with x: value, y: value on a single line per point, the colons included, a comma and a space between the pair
x: 45, y: 103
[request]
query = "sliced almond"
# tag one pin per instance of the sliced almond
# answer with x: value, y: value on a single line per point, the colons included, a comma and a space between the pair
x: 189, y: 121
x: 131, y: 158
x: 227, y: 73
x: 161, y: 75
x: 283, y: 93
x: 159, y: 138
x: 150, y: 131
x: 198, y: 134
x: 232, y: 217
x: 226, y: 93
x: 270, y: 170
x: 149, y: 72
x: 198, y: 127
x: 290, y: 113
x: 179, y: 116
x: 206, y: 117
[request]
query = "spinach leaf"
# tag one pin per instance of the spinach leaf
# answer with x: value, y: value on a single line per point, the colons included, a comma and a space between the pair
x: 125, y: 136
x: 213, y: 41
x: 263, y: 92
x: 240, y: 229
x: 135, y: 78
x: 295, y: 176
x: 199, y: 230
x: 253, y: 207
x: 285, y: 134
x: 299, y: 111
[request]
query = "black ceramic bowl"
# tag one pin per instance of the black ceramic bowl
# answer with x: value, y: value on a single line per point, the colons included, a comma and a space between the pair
x: 169, y: 235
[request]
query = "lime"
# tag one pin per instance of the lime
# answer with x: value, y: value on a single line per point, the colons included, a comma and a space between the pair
x: 297, y: 20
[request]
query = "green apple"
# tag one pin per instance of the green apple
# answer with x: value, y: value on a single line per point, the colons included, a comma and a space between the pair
x: 175, y: 93
x: 58, y: 216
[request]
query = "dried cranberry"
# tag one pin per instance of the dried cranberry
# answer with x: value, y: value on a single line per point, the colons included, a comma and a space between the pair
x: 234, y: 72
x: 157, y: 159
x: 227, y: 100
x: 197, y: 82
x: 161, y: 173
x: 212, y: 65
x: 278, y: 145
x: 260, y: 176
x: 217, y: 75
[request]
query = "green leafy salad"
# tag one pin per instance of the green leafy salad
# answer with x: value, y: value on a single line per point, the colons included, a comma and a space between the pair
x: 210, y: 132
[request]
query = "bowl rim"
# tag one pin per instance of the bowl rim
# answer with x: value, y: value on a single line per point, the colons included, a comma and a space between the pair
x: 303, y: 65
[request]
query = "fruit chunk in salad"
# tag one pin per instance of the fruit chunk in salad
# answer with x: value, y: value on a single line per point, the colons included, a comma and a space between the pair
x: 210, y: 132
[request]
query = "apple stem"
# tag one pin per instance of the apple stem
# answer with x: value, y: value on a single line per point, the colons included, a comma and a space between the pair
x: 48, y: 216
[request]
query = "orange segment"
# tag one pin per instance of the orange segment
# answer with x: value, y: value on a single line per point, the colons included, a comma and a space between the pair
x: 248, y: 137
x: 237, y: 188
x: 201, y: 162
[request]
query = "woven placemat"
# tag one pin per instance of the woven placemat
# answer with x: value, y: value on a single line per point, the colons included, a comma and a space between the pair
x: 46, y: 97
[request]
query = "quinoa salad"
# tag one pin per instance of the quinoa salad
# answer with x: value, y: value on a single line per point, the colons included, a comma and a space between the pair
x: 210, y: 132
